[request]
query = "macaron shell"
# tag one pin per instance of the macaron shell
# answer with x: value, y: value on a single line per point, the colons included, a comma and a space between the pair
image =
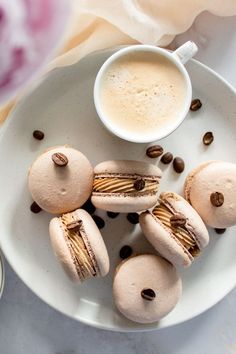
x: 60, y: 189
x: 124, y: 204
x: 215, y: 177
x: 128, y: 166
x: 146, y: 271
x: 96, y: 241
x: 163, y: 241
x: 61, y: 249
x: 194, y: 224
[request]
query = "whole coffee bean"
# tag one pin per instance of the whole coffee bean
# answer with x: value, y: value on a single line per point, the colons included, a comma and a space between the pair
x: 220, y: 231
x: 60, y: 159
x: 89, y: 207
x: 125, y: 252
x: 148, y: 294
x: 154, y: 151
x: 167, y: 158
x: 133, y: 218
x: 178, y: 164
x: 37, y: 134
x: 35, y: 208
x: 112, y: 215
x: 74, y: 225
x: 139, y: 184
x: 178, y: 220
x: 208, y: 138
x: 98, y: 221
x: 196, y: 104
x: 217, y: 199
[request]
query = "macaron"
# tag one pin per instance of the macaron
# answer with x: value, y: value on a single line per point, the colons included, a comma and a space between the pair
x: 211, y: 189
x: 146, y: 288
x: 60, y: 180
x: 125, y: 186
x: 79, y: 246
x: 175, y: 229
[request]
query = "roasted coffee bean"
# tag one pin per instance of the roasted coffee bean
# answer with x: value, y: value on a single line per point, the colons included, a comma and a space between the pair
x: 125, y: 252
x: 177, y: 220
x: 154, y: 151
x: 178, y: 164
x: 148, y: 294
x: 208, y: 138
x: 98, y: 221
x: 35, y: 208
x: 37, y: 134
x: 112, y: 215
x: 139, y: 184
x: 74, y: 225
x: 60, y: 159
x: 133, y: 218
x: 89, y: 207
x: 167, y: 158
x: 220, y: 231
x: 217, y: 199
x: 195, y: 105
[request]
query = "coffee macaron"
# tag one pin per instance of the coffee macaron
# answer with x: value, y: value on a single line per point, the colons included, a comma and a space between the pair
x: 211, y: 189
x: 175, y: 229
x: 79, y: 246
x: 60, y: 180
x: 125, y: 186
x: 146, y: 288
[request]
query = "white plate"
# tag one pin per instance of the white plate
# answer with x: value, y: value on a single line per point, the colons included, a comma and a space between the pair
x: 62, y: 106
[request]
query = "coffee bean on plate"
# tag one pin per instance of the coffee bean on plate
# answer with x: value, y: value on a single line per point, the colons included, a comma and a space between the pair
x: 89, y: 207
x: 98, y: 221
x: 148, y: 294
x: 177, y: 220
x: 133, y: 218
x: 196, y: 104
x: 59, y: 159
x: 178, y: 164
x: 217, y: 199
x: 112, y: 215
x: 38, y: 135
x: 139, y: 184
x: 208, y: 138
x: 220, y: 231
x: 125, y: 252
x: 167, y: 158
x: 154, y: 151
x: 35, y: 208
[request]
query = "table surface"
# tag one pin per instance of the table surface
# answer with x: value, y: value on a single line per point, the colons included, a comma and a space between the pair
x: 29, y: 326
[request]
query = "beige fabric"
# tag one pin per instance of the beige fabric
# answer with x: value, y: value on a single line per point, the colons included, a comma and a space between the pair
x: 99, y: 24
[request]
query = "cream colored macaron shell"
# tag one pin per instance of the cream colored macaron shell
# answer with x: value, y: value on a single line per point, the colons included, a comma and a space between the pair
x: 146, y: 272
x: 208, y: 178
x: 60, y: 189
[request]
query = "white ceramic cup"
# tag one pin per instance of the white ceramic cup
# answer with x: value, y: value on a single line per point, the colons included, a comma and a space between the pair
x: 179, y: 57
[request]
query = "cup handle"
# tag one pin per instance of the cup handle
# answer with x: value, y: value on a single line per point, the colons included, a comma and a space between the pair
x: 185, y: 52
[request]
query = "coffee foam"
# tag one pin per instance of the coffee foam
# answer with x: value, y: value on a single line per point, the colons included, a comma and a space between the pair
x: 142, y: 91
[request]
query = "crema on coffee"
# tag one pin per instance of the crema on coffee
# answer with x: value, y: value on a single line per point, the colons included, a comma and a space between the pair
x: 142, y: 92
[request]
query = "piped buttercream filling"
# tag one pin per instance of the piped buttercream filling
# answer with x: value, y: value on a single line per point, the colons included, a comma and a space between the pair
x: 80, y: 248
x: 124, y: 184
x: 162, y: 213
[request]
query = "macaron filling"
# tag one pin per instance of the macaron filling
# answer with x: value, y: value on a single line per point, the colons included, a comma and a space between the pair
x: 125, y: 184
x: 163, y: 214
x: 79, y: 246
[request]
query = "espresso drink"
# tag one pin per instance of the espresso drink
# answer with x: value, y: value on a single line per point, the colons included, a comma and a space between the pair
x: 142, y: 92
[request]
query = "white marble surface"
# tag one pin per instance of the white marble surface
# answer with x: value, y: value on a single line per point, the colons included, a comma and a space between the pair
x: 28, y: 326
